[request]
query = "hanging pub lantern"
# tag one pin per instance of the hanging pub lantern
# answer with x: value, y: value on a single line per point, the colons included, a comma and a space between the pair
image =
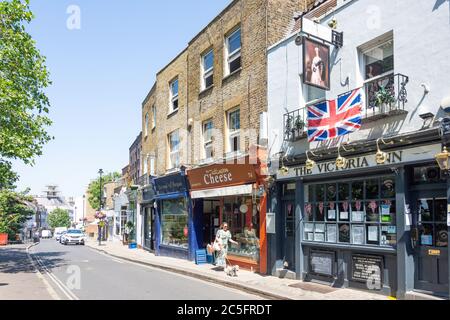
x: 309, y: 165
x: 442, y: 160
x: 341, y: 162
x: 380, y: 156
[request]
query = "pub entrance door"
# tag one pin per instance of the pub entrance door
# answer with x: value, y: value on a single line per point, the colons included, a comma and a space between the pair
x: 430, y: 241
x: 289, y: 233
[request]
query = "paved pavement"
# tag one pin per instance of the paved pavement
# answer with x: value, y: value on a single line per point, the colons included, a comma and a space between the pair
x: 80, y: 272
x: 19, y: 278
x: 266, y: 286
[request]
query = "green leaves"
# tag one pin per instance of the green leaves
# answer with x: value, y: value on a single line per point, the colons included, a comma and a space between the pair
x: 23, y: 77
x: 59, y: 218
x: 94, y: 188
x: 14, y: 211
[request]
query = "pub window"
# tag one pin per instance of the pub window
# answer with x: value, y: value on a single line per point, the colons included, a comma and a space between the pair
x: 432, y: 222
x: 427, y: 174
x: 360, y: 212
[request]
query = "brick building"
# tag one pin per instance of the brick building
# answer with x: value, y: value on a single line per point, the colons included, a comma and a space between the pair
x: 205, y: 109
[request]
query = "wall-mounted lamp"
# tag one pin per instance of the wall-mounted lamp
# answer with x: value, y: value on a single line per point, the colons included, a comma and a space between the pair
x: 332, y: 23
x: 283, y: 170
x: 340, y: 161
x: 309, y: 164
x: 381, y: 156
x: 442, y: 160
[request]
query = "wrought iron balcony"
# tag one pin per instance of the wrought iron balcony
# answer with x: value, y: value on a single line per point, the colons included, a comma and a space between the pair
x: 294, y: 125
x: 386, y: 96
x: 143, y: 180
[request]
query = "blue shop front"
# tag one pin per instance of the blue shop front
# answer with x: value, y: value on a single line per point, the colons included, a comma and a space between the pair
x: 175, y: 236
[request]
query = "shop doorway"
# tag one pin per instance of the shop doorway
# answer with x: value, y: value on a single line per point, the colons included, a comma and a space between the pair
x: 430, y: 241
x: 149, y: 224
x: 211, y: 220
x: 289, y: 234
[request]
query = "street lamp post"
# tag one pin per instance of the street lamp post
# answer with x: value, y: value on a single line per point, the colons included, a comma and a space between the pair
x: 100, y: 172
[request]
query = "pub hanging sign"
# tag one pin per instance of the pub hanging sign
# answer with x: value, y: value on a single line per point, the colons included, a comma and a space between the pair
x: 365, y: 161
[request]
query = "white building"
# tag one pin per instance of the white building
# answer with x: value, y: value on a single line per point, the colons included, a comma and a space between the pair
x: 51, y: 200
x: 384, y: 212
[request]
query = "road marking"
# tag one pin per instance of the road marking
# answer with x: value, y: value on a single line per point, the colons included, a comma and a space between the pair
x: 38, y: 273
x: 219, y: 286
x: 67, y: 292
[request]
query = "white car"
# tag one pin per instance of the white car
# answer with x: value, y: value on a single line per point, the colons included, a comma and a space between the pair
x: 73, y: 236
x: 46, y: 234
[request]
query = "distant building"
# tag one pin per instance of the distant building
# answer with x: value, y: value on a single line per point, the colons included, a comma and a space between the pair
x: 51, y: 200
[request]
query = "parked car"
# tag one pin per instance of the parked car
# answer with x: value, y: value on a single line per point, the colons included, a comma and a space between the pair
x: 73, y: 236
x: 61, y: 236
x: 58, y: 232
x: 46, y: 234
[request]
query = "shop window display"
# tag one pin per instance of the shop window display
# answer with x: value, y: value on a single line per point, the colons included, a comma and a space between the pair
x: 357, y: 212
x: 242, y: 216
x: 174, y: 223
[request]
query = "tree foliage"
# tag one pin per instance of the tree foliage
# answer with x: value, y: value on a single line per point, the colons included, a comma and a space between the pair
x: 14, y: 211
x: 94, y: 188
x: 59, y: 218
x: 7, y: 176
x: 23, y: 78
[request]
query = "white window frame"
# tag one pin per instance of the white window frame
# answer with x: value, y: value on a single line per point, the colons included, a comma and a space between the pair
x: 207, y: 143
x: 206, y: 73
x: 235, y: 133
x: 174, y: 153
x: 146, y: 124
x: 363, y: 54
x: 153, y: 117
x: 152, y: 166
x: 174, y: 97
x: 231, y: 56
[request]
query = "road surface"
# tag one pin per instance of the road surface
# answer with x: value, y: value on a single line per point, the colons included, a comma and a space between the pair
x: 81, y: 273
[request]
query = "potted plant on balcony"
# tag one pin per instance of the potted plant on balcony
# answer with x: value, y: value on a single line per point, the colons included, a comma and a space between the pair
x: 299, y: 125
x: 383, y: 98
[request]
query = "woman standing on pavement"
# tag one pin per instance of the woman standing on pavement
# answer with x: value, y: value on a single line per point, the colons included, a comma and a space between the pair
x: 222, y: 238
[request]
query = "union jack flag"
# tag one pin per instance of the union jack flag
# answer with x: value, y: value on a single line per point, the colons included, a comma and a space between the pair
x: 333, y: 118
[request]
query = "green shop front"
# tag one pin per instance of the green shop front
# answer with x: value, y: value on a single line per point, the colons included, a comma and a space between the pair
x: 173, y: 217
x: 366, y: 224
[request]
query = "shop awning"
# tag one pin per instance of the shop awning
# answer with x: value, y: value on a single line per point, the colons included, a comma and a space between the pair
x: 222, y: 192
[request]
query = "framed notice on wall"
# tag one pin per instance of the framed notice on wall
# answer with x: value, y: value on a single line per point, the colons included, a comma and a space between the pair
x: 322, y: 263
x: 365, y: 267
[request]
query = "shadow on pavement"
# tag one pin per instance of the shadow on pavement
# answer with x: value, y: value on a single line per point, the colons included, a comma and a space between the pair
x: 16, y: 260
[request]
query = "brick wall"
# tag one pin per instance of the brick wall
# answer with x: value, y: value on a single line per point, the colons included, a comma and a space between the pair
x: 262, y: 23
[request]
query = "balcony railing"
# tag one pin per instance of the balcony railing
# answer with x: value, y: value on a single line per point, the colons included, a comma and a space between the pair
x: 294, y: 124
x: 386, y: 95
x: 143, y: 180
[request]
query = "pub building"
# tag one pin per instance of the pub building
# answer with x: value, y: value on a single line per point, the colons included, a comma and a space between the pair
x: 232, y: 193
x: 173, y: 227
x: 372, y: 216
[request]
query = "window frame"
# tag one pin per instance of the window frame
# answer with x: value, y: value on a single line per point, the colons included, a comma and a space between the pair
x: 363, y: 54
x: 174, y: 97
x: 206, y: 73
x: 173, y: 153
x: 207, y: 143
x: 153, y: 117
x: 232, y: 56
x: 232, y: 134
x: 146, y: 122
x: 313, y: 202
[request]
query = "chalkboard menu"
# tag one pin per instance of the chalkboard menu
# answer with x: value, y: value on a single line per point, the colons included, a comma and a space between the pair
x: 364, y: 267
x: 322, y: 262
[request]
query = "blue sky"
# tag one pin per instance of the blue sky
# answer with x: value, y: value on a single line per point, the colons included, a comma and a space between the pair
x: 101, y: 73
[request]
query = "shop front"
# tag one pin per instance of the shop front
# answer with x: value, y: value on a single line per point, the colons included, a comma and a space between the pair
x: 148, y: 213
x: 235, y: 194
x: 367, y: 223
x: 173, y: 217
